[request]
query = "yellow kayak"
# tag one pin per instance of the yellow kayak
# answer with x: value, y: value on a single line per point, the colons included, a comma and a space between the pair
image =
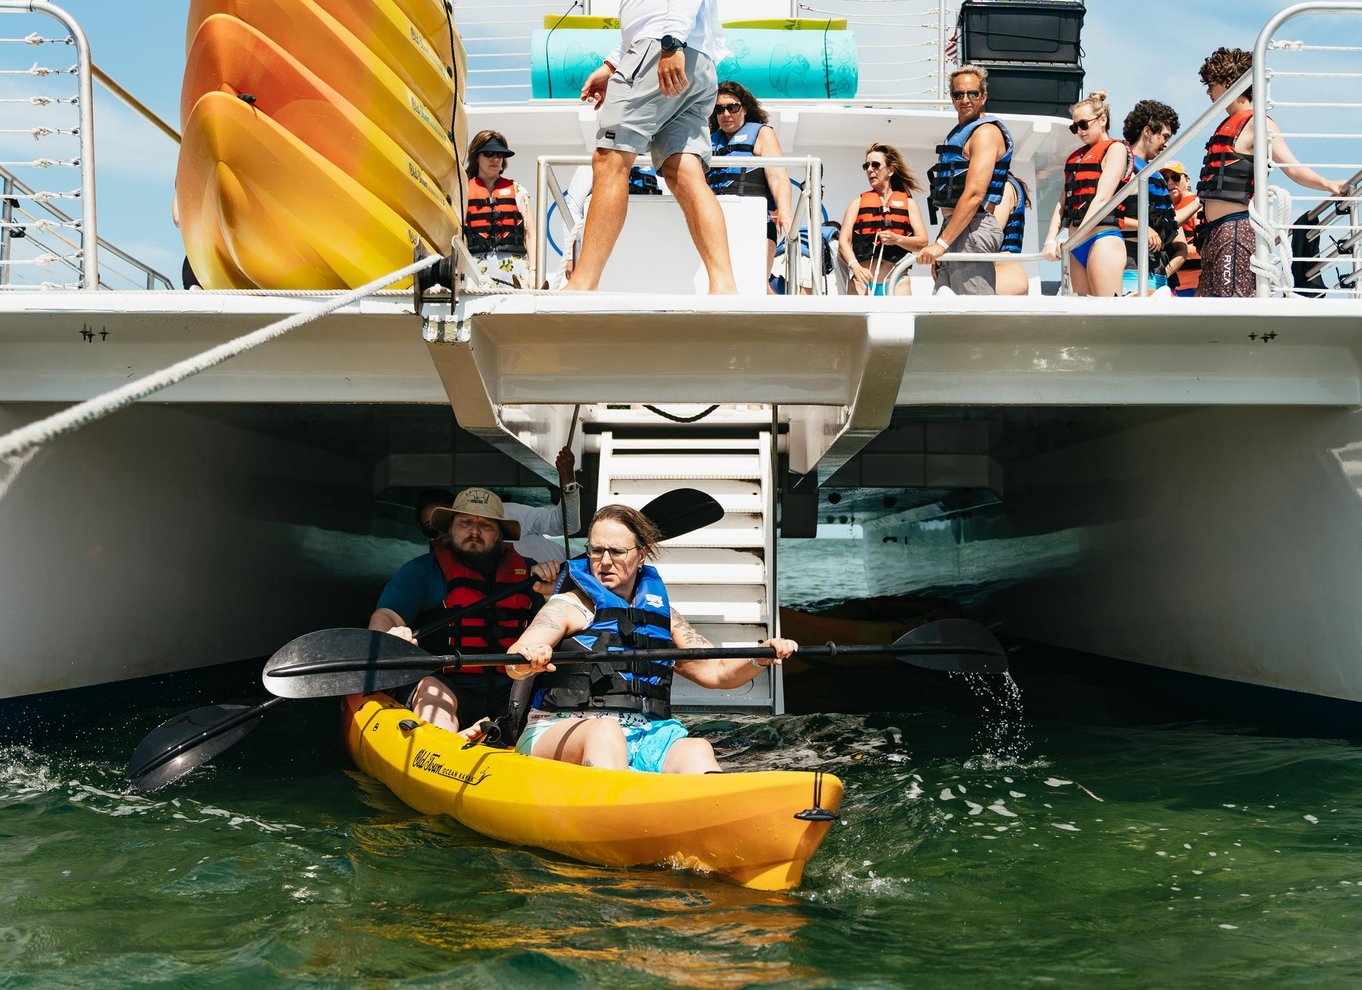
x: 232, y: 57
x: 739, y: 826
x: 258, y: 207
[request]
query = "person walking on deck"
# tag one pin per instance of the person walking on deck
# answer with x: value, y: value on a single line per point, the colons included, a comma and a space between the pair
x: 966, y: 184
x: 655, y: 93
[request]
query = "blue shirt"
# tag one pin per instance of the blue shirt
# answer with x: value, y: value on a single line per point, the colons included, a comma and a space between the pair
x: 418, y: 587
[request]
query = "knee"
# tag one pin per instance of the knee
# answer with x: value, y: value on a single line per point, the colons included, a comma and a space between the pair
x: 690, y: 756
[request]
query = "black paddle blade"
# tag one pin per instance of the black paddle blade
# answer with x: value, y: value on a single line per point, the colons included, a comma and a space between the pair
x: 186, y: 741
x: 354, y: 644
x: 683, y: 510
x: 955, y: 645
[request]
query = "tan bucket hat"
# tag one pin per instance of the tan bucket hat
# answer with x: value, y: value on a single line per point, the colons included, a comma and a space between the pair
x: 476, y: 502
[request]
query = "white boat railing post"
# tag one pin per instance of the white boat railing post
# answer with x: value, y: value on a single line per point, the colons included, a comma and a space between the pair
x: 6, y: 225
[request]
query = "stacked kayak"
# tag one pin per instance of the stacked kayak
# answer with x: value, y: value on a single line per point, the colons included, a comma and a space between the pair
x: 740, y: 826
x: 317, y: 149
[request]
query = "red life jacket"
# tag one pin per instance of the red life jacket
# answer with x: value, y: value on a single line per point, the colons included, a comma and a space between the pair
x: 1227, y: 174
x: 494, y: 628
x: 1082, y: 171
x: 493, y: 221
x: 874, y: 215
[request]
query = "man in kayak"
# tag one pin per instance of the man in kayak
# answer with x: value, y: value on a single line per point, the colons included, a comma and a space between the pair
x: 657, y: 89
x: 472, y: 563
x: 617, y: 717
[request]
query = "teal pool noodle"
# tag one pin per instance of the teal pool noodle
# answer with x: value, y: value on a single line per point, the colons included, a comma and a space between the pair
x: 772, y: 63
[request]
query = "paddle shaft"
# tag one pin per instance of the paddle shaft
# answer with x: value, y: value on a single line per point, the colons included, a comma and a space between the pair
x: 449, y: 615
x: 454, y: 661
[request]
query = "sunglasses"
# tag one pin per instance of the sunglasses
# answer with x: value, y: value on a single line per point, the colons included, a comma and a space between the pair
x: 965, y: 94
x: 1082, y: 125
x: 727, y: 107
x: 867, y: 166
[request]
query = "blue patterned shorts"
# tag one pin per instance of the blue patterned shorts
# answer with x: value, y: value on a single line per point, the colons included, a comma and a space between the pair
x: 648, y: 740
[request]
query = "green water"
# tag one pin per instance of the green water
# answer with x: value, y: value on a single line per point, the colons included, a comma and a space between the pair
x: 1087, y: 846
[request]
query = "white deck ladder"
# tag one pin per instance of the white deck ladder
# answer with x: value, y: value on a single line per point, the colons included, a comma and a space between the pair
x: 721, y: 577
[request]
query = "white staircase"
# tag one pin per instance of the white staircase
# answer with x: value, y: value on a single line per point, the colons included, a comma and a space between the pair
x: 721, y: 577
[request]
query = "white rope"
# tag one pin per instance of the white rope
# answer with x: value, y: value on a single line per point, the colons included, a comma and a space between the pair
x: 33, y: 435
x: 46, y: 258
x: 13, y: 465
x: 1277, y: 267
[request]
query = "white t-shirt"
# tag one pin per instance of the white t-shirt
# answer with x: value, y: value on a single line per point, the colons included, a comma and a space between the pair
x: 538, y: 524
x: 696, y: 21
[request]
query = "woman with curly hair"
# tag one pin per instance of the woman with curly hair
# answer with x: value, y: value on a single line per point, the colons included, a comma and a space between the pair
x: 739, y: 128
x: 1092, y: 174
x: 499, y: 221
x: 1226, y: 186
x: 884, y: 224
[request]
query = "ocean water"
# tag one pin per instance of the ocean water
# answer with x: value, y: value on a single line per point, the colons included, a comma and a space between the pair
x: 1067, y: 837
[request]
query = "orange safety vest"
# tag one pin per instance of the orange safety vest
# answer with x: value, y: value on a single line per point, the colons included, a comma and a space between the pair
x: 493, y: 221
x: 874, y: 215
x: 1082, y: 171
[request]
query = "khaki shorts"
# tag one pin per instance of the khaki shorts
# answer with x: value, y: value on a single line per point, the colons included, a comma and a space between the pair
x: 637, y: 117
x: 973, y: 278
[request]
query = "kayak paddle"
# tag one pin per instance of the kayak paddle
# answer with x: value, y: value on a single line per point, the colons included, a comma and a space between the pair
x: 337, y: 662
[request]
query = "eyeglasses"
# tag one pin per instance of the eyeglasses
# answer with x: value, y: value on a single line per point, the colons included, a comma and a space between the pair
x: 727, y: 107
x: 1082, y: 125
x: 966, y: 94
x: 614, y: 553
x: 867, y: 166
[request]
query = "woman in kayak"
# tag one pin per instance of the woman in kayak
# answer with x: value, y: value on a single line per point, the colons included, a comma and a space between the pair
x: 619, y: 716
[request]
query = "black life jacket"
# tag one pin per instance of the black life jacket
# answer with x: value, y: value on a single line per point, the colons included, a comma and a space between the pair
x: 1082, y: 171
x: 1226, y: 174
x: 644, y: 686
x: 493, y: 628
x: 493, y: 221
x: 738, y: 181
x: 946, y: 179
x: 1163, y: 221
x: 1014, y: 230
x: 874, y: 215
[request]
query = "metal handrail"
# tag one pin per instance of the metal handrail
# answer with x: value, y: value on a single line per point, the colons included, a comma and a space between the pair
x: 548, y: 188
x: 1262, y: 249
x: 89, y: 238
x: 9, y: 182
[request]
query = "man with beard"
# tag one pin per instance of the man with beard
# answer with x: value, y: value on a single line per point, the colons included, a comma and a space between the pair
x: 474, y: 562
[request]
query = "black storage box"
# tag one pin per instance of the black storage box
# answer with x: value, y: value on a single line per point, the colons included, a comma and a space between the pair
x: 1021, y: 31
x: 1036, y: 88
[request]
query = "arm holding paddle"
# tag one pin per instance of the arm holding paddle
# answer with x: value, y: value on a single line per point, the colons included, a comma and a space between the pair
x: 729, y: 673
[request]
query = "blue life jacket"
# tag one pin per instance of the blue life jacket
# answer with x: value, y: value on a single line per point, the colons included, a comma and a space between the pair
x: 946, y: 179
x: 644, y: 624
x: 643, y: 181
x: 1014, y: 230
x: 737, y: 181
x: 1163, y: 219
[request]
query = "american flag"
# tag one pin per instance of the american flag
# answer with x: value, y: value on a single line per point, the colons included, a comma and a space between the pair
x: 953, y: 47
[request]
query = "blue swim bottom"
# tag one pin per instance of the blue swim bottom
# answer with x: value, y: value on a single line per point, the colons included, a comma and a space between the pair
x: 1130, y: 279
x: 647, y: 740
x: 1080, y: 253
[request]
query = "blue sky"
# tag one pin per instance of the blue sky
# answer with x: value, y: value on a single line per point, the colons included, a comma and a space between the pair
x: 1154, y: 54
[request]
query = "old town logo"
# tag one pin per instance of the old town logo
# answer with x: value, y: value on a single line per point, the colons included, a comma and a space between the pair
x: 429, y: 762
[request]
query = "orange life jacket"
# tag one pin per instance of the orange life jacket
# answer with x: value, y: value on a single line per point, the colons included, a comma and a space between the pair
x: 874, y: 215
x: 1227, y: 174
x: 494, y: 628
x: 493, y: 221
x: 1082, y: 172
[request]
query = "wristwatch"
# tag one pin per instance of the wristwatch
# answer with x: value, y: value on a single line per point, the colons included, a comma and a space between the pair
x: 570, y: 487
x: 671, y: 44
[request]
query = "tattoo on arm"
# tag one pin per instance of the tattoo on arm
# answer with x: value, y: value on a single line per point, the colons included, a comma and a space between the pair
x: 552, y: 618
x: 684, y: 634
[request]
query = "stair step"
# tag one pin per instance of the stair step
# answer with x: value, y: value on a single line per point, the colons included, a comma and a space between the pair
x: 690, y: 466
x: 739, y: 529
x: 711, y: 605
x: 667, y: 444
x: 733, y: 494
x: 710, y: 565
x: 730, y: 633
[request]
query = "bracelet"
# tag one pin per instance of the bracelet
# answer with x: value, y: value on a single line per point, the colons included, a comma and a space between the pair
x: 754, y: 663
x: 570, y: 487
x: 609, y: 64
x: 944, y: 243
